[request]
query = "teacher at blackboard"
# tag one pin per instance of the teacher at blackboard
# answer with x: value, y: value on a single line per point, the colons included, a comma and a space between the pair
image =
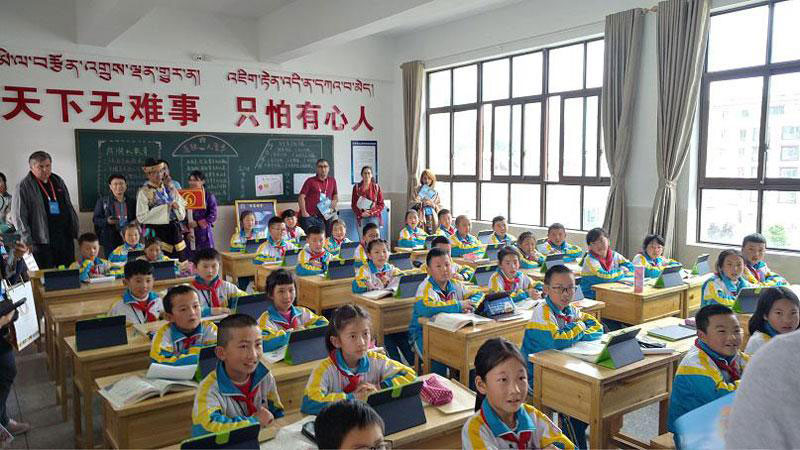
x: 318, y: 198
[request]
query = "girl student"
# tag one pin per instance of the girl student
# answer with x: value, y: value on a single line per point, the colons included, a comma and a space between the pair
x: 652, y: 257
x: 282, y: 316
x: 727, y: 281
x: 248, y: 231
x: 778, y: 312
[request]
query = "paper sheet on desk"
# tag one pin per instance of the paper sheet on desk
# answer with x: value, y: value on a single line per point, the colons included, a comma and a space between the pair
x: 167, y: 372
x: 276, y: 355
x: 107, y: 279
x: 291, y: 436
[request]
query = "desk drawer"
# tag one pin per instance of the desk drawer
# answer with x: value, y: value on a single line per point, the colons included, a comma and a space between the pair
x: 633, y: 392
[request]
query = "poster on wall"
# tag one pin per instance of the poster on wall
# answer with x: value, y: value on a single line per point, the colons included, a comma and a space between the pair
x: 270, y: 184
x: 263, y: 210
x: 363, y: 153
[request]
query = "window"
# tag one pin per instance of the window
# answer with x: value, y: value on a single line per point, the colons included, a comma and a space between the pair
x: 523, y: 134
x: 749, y: 162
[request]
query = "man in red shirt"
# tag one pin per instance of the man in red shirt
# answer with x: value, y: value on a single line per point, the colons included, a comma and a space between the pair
x: 319, y: 187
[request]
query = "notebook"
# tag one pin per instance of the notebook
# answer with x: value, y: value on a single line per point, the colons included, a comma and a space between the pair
x: 673, y: 333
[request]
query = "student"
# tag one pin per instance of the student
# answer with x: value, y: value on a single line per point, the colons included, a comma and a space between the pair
x: 529, y: 258
x: 728, y: 280
x: 778, y: 312
x: 458, y: 272
x: 89, y: 264
x: 412, y: 236
x: 377, y: 273
x: 275, y: 247
x: 241, y: 391
x: 556, y: 324
x: 439, y: 293
x: 282, y: 316
x: 338, y: 237
x: 652, y: 257
x: 139, y: 304
x: 215, y: 293
x: 445, y: 227
x: 556, y: 244
x: 712, y: 368
x: 369, y: 233
x: 508, y: 278
x: 179, y: 342
x: 248, y: 232
x: 502, y: 418
x: 464, y: 244
x: 131, y: 237
x: 758, y: 274
x: 153, y: 253
x: 293, y: 232
x: 500, y: 235
x: 351, y: 371
x: 349, y: 424
x: 601, y: 264
x: 314, y: 259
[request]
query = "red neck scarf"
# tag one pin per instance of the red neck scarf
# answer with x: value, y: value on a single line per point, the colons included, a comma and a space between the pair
x: 385, y: 277
x: 509, y: 285
x: 144, y: 306
x: 755, y: 273
x: 606, y: 261
x: 292, y: 322
x: 188, y: 342
x: 248, y: 396
x: 212, y: 288
x: 292, y: 232
x: 521, y: 441
x: 317, y: 256
x: 731, y: 368
x: 352, y: 380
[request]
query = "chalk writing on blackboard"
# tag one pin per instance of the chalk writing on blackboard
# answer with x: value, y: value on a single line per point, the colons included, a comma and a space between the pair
x: 125, y: 157
x: 289, y: 156
x: 209, y: 154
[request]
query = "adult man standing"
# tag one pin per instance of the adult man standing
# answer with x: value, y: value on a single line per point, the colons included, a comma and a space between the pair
x: 43, y: 213
x: 160, y: 208
x: 318, y: 199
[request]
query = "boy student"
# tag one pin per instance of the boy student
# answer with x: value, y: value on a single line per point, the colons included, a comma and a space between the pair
x: 338, y: 237
x: 139, y: 303
x: 349, y: 424
x: 712, y: 368
x: 652, y: 257
x: 90, y: 265
x: 508, y: 278
x: 555, y: 324
x: 500, y: 235
x: 458, y: 272
x: 215, y: 293
x: 756, y: 271
x: 282, y: 316
x: 369, y: 233
x: 412, y: 235
x: 314, y: 259
x: 130, y: 243
x: 241, y: 391
x: 445, y: 227
x: 179, y: 342
x: 556, y: 244
x: 601, y: 264
x: 464, y: 244
x: 293, y: 232
x: 529, y: 258
x: 274, y: 248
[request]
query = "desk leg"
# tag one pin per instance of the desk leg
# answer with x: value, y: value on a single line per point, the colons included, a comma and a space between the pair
x: 464, y: 373
x: 88, y: 414
x: 76, y: 417
x: 378, y: 327
x: 663, y: 413
x: 537, y: 387
x: 426, y: 354
x: 61, y: 384
x: 597, y: 437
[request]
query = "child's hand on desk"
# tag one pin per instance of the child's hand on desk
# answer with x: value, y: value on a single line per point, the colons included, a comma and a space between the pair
x: 364, y: 390
x: 466, y: 306
x: 534, y: 294
x: 316, y: 263
x: 220, y: 311
x: 264, y: 416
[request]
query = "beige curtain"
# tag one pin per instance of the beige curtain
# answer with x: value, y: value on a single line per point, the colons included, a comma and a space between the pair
x: 682, y: 39
x: 413, y: 77
x: 623, y: 45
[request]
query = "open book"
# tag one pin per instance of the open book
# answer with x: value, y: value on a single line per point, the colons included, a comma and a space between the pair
x: 378, y: 294
x: 134, y: 389
x: 168, y: 372
x: 456, y: 321
x: 585, y: 350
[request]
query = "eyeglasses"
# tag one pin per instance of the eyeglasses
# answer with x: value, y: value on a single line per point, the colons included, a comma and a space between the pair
x: 383, y: 445
x: 564, y: 289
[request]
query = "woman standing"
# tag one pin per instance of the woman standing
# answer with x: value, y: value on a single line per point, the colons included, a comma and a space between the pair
x: 201, y: 221
x: 367, y: 200
x: 112, y: 213
x: 426, y: 200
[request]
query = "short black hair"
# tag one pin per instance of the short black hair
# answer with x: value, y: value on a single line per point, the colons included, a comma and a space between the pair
x: 321, y: 160
x: 498, y: 219
x: 595, y: 234
x: 197, y: 174
x: 3, y: 177
x: 313, y: 229
x: 137, y: 267
x: 339, y: 221
x: 724, y: 254
x: 524, y: 236
x: 378, y: 241
x: 228, y: 324
x: 288, y: 213
x: 461, y: 218
x: 756, y: 238
x: 206, y: 254
x: 439, y: 240
x: 39, y: 156
x: 343, y: 316
x: 132, y: 225
x: 371, y: 225
x: 115, y: 176
x: 507, y: 251
x: 442, y: 212
x: 706, y: 312
x: 649, y: 239
x: 87, y: 237
x: 278, y: 278
x: 151, y: 240
x: 273, y: 220
x: 337, y: 419
x: 554, y: 270
x: 174, y: 291
x: 556, y: 226
x: 245, y: 213
x: 433, y: 253
x: 766, y: 299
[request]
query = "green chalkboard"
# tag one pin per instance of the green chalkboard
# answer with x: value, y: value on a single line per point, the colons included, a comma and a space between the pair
x: 231, y: 161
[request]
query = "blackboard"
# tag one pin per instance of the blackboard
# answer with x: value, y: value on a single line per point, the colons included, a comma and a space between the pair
x: 230, y: 161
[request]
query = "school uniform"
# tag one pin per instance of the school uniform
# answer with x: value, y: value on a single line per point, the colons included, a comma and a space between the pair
x: 332, y: 380
x: 360, y: 257
x: 371, y: 278
x: 239, y: 239
x: 653, y: 266
x: 466, y: 246
x: 526, y: 261
x: 215, y: 294
x: 595, y: 271
x: 759, y: 275
x: 517, y: 285
x: 271, y: 251
x: 138, y: 310
x: 571, y: 252
x: 275, y: 327
x: 173, y: 347
x: 442, y: 230
x: 721, y: 289
x: 306, y: 257
x: 457, y: 271
x: 759, y: 338
x: 702, y: 377
x: 411, y: 237
x: 119, y: 256
x: 534, y: 430
x: 334, y: 247
x: 508, y: 239
x: 220, y: 405
x: 89, y: 268
x: 293, y: 234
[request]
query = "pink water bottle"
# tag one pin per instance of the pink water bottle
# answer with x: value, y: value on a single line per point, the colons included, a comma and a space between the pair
x: 638, y: 279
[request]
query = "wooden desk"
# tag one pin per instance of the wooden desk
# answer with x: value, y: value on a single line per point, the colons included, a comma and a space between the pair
x: 474, y: 264
x: 536, y: 273
x: 237, y: 265
x: 92, y: 364
x: 624, y: 305
x: 263, y: 271
x: 693, y: 295
x: 291, y: 382
x: 318, y: 294
x: 599, y: 396
x: 389, y: 315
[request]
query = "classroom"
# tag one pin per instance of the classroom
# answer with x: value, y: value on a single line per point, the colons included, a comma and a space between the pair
x: 598, y: 196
